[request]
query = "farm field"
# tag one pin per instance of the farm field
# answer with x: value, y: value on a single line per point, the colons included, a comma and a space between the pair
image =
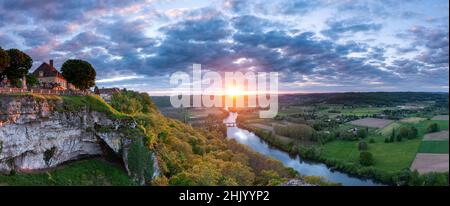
x: 440, y: 117
x: 390, y: 157
x: 430, y: 163
x: 371, y: 122
x: 442, y: 135
x: 387, y: 130
x: 412, y: 119
x: 436, y: 147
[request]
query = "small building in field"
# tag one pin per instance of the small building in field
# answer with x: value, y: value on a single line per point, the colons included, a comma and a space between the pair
x: 106, y: 93
x: 49, y: 77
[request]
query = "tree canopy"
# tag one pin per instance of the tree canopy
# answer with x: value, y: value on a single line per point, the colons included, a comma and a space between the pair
x: 4, y: 61
x: 19, y: 64
x: 80, y: 73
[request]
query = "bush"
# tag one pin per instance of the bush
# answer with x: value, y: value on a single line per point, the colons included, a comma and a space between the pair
x: 433, y: 128
x: 366, y: 158
x: 362, y: 146
x: 362, y: 133
x: 371, y: 140
x: 408, y: 132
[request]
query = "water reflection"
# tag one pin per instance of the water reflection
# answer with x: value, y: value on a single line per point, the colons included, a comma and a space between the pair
x: 304, y: 167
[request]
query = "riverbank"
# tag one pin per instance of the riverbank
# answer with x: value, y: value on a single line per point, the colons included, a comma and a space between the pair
x: 315, y: 153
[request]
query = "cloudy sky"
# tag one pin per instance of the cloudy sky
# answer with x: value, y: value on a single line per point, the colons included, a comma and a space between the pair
x: 316, y: 46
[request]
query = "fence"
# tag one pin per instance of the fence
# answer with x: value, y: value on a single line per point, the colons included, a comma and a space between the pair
x: 43, y: 91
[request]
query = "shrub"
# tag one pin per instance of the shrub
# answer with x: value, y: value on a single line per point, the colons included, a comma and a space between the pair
x: 48, y: 154
x: 371, y: 140
x: 434, y: 127
x: 366, y: 158
x: 362, y: 133
x: 362, y: 146
x: 408, y: 132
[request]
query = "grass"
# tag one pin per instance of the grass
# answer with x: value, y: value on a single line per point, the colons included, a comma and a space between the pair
x: 93, y: 102
x: 387, y: 131
x: 389, y: 157
x: 93, y: 172
x: 438, y: 147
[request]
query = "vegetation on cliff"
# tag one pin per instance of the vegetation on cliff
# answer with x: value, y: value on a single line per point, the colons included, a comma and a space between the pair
x: 189, y: 156
x: 186, y: 156
x: 93, y: 172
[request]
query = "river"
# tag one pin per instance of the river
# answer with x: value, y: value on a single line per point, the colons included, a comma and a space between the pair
x: 308, y: 168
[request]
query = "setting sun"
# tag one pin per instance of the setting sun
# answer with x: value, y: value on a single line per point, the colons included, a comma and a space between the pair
x: 234, y: 91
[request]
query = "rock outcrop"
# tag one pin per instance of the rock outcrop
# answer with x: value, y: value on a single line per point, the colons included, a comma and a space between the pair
x: 35, y: 134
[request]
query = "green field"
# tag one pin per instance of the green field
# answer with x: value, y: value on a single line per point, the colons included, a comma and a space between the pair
x: 80, y: 173
x: 439, y: 147
x: 390, y: 157
x: 387, y: 131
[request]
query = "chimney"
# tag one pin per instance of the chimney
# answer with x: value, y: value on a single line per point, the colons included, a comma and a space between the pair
x: 51, y: 62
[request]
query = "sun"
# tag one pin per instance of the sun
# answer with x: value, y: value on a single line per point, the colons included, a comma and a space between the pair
x: 234, y: 91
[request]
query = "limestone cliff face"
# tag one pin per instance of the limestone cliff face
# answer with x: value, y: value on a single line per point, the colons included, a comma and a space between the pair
x: 35, y: 135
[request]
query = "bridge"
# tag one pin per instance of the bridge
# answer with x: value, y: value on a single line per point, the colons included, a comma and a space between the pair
x: 230, y: 124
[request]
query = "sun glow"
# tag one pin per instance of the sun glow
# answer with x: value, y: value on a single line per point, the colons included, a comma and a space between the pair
x: 234, y: 91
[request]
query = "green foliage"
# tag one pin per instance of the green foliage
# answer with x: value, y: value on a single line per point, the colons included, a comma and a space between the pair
x: 366, y: 158
x: 362, y: 145
x: 4, y: 61
x: 433, y: 127
x: 406, y: 131
x: 269, y: 178
x: 133, y: 103
x: 298, y: 131
x: 80, y: 73
x: 91, y: 102
x: 19, y: 64
x: 31, y: 80
x: 428, y: 179
x: 81, y: 173
x: 140, y: 162
x: 362, y: 133
x: 48, y: 155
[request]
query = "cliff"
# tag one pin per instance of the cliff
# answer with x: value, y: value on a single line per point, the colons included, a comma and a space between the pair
x: 39, y: 132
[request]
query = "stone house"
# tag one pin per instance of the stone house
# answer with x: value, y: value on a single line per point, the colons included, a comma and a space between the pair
x: 49, y: 77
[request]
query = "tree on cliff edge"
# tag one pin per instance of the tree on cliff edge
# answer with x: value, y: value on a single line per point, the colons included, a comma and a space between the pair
x: 19, y: 64
x: 80, y: 73
x: 4, y: 62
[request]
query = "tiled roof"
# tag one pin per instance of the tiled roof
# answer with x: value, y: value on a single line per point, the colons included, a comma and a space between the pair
x: 49, y: 71
x: 108, y: 90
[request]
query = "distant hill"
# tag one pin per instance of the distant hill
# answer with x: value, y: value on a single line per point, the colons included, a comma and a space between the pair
x: 367, y: 98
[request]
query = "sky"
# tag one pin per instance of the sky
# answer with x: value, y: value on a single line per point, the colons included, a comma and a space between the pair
x: 315, y: 46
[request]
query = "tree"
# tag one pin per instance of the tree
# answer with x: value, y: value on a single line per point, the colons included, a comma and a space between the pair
x: 434, y: 127
x: 362, y: 133
x: 366, y: 158
x: 4, y: 62
x: 392, y: 138
x: 31, y: 80
x: 362, y: 145
x: 19, y: 64
x: 80, y: 73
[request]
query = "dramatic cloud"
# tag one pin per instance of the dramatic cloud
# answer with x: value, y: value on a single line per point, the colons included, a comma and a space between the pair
x: 321, y: 46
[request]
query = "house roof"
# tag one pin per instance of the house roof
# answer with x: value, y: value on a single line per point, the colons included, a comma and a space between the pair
x: 48, y: 71
x: 108, y: 90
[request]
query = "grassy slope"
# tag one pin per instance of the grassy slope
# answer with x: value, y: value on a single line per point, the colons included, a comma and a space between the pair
x: 391, y: 157
x: 84, y: 172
